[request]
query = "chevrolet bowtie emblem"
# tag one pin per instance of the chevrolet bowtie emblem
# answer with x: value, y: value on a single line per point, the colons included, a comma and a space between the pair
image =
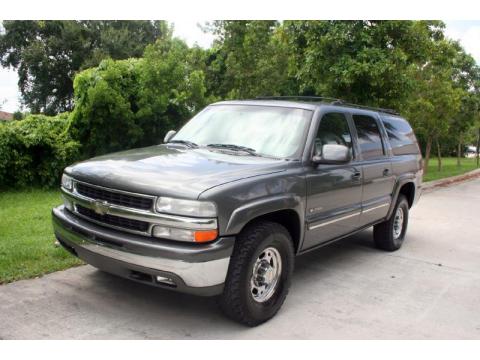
x: 100, y: 207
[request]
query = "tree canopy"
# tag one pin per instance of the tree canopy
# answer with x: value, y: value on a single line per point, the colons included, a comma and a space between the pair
x: 134, y: 102
x: 48, y: 54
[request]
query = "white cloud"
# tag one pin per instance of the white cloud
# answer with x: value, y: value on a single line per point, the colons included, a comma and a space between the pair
x: 9, y: 90
x: 190, y: 31
x: 468, y: 34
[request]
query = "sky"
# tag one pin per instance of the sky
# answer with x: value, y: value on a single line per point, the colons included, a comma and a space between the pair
x: 467, y: 32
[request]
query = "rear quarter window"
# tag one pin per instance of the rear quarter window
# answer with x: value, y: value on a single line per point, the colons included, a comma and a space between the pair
x: 401, y: 135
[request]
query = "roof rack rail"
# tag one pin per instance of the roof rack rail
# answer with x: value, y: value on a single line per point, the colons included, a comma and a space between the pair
x: 333, y: 101
x: 385, y: 110
x: 299, y: 97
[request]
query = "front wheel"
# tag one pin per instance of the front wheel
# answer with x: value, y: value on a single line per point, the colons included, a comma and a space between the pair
x: 259, y: 274
x: 390, y: 234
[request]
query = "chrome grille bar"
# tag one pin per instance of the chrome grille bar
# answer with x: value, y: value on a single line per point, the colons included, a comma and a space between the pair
x: 153, y: 218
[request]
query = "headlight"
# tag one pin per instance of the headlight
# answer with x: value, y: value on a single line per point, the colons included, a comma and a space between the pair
x: 67, y: 182
x: 186, y: 207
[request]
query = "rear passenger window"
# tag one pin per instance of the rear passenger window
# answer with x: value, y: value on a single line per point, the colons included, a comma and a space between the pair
x: 369, y: 137
x: 401, y: 136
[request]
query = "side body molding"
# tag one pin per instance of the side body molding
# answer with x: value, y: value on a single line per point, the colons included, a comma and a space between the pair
x: 242, y: 215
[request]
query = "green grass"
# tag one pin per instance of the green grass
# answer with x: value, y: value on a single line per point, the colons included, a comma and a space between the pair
x: 449, y: 168
x: 27, y: 243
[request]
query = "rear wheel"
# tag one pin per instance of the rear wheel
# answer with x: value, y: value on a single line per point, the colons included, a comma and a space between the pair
x: 390, y: 234
x: 259, y: 273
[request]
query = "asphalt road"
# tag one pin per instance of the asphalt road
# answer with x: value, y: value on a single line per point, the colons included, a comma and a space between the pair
x: 430, y: 289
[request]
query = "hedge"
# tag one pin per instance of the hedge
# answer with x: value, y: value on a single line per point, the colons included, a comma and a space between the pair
x: 34, y: 151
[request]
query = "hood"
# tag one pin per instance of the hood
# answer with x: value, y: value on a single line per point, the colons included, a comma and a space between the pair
x: 171, y: 170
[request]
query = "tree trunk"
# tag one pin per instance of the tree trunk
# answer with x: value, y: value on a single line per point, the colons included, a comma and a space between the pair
x: 428, y: 149
x: 459, y: 153
x: 439, y: 154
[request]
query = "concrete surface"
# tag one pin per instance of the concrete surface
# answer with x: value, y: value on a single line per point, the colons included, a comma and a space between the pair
x: 430, y: 289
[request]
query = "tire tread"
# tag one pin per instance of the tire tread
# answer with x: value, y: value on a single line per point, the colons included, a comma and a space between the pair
x: 231, y: 301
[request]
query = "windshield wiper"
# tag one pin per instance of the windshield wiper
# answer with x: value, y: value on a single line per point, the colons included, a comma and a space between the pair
x: 234, y: 148
x: 184, y: 142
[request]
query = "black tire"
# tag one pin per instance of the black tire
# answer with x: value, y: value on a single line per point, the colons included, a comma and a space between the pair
x: 237, y: 300
x: 384, y: 233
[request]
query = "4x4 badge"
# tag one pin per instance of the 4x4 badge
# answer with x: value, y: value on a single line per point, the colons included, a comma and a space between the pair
x: 100, y: 207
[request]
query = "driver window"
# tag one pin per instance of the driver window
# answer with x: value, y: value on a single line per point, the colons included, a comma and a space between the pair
x: 333, y: 129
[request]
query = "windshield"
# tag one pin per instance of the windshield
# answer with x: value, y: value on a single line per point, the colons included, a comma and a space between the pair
x: 268, y: 130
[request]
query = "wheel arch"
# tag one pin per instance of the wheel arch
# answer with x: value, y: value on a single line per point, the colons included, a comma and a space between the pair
x: 408, y: 189
x: 406, y: 186
x: 284, y: 210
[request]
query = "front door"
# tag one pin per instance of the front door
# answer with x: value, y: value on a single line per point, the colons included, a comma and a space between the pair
x: 334, y: 192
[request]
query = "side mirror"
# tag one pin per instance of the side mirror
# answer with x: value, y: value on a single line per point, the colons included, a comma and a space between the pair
x: 333, y: 154
x: 169, y: 136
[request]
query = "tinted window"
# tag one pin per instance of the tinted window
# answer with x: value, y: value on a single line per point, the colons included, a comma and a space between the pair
x: 369, y: 137
x: 333, y: 129
x: 401, y: 135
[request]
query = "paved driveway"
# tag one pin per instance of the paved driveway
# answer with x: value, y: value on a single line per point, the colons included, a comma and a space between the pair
x: 428, y: 289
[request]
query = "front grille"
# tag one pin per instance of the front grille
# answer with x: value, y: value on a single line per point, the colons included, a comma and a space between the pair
x: 113, y: 197
x: 130, y: 224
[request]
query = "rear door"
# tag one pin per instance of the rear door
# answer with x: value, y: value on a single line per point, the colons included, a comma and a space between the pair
x: 334, y: 192
x: 378, y: 179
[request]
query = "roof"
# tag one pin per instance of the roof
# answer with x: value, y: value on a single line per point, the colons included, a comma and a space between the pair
x: 6, y: 116
x: 304, y: 102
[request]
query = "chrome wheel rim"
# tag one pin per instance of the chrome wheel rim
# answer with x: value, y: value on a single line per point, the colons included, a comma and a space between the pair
x: 265, y: 274
x: 398, y: 223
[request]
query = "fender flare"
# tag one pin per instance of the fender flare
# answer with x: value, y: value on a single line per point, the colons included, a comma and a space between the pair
x: 264, y: 206
x: 401, y: 180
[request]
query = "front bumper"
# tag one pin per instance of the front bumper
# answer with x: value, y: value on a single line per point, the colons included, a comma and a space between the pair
x: 193, y: 268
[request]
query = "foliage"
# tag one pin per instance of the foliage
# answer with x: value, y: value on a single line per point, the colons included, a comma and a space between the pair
x: 122, y: 104
x: 18, y: 115
x: 249, y: 59
x: 366, y: 62
x: 445, y: 97
x: 47, y: 54
x: 35, y: 151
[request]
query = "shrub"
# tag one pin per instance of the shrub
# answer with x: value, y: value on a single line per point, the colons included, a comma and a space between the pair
x: 134, y: 102
x: 34, y: 151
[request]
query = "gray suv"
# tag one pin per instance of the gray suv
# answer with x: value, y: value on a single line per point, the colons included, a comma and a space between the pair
x: 228, y: 201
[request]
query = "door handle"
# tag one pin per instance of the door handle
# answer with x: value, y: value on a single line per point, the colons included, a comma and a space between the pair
x: 356, y: 175
x: 386, y: 172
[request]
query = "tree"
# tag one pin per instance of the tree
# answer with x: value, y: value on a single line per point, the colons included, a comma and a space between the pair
x: 248, y: 59
x: 466, y: 77
x: 48, y: 54
x: 18, y: 115
x: 130, y: 103
x: 437, y: 99
x: 366, y: 62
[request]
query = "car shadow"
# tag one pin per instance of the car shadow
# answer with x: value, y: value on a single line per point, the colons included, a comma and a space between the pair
x: 151, y: 309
